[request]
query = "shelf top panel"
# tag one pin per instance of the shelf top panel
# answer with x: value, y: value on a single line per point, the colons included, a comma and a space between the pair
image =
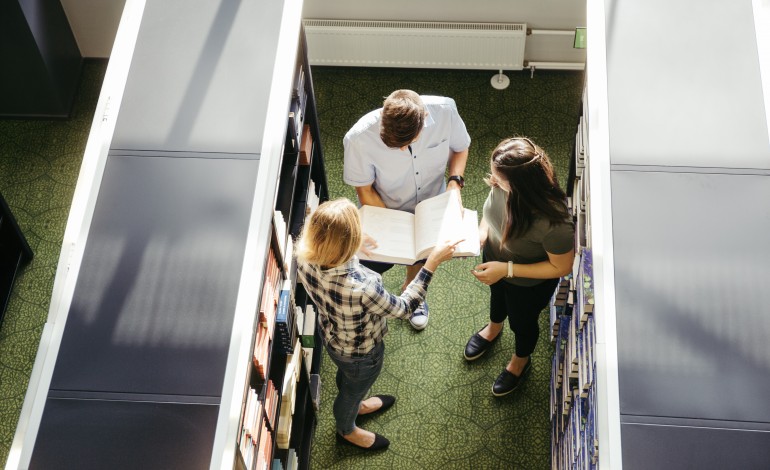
x: 96, y: 434
x: 684, y: 85
x: 659, y: 446
x: 691, y: 273
x: 153, y: 306
x: 200, y: 77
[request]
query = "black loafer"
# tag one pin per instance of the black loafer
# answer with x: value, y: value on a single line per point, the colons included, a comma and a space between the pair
x: 380, y: 442
x: 387, y: 402
x: 507, y: 382
x: 477, y: 346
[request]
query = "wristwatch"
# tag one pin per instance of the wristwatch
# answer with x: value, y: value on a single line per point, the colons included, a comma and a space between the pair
x: 460, y: 180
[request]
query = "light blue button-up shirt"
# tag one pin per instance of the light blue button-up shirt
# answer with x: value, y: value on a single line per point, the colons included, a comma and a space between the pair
x: 403, y: 178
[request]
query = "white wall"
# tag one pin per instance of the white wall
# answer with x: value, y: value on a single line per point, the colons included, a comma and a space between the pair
x: 94, y: 23
x: 537, y: 14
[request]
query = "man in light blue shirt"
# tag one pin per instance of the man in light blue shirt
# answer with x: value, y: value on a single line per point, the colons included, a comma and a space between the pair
x: 397, y: 156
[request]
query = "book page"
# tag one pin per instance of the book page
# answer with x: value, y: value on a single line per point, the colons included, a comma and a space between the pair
x: 470, y: 232
x: 437, y: 219
x: 394, y: 232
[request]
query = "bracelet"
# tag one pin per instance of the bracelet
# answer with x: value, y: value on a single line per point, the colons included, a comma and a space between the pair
x: 510, y: 269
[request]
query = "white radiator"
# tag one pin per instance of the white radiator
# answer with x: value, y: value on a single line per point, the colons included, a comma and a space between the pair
x: 416, y: 44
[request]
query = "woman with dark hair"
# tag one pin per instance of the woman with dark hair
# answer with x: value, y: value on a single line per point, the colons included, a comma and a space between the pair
x: 527, y: 238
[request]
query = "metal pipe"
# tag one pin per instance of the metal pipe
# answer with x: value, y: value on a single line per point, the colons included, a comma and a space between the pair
x: 555, y: 65
x: 552, y: 66
x: 553, y: 32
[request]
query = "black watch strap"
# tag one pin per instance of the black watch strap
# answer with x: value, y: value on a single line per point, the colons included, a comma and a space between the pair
x: 460, y: 180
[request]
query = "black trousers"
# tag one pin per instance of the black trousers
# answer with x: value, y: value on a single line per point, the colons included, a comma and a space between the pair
x: 379, y: 268
x: 522, y: 307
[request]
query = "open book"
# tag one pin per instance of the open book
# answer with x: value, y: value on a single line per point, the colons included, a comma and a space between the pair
x: 405, y: 238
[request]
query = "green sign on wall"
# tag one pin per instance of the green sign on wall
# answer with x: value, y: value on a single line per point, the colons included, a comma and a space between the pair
x: 580, y: 38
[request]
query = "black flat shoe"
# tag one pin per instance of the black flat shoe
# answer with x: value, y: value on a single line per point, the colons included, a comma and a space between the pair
x: 380, y: 442
x: 507, y: 382
x: 387, y: 402
x: 477, y: 346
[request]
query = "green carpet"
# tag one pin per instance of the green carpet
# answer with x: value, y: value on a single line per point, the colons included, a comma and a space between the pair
x: 39, y: 165
x: 445, y: 416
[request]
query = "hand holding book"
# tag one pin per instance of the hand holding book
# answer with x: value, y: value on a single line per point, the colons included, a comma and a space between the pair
x: 368, y: 245
x: 405, y: 238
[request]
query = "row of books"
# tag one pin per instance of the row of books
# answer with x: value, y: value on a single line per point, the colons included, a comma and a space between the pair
x: 284, y: 328
x: 262, y: 424
x: 292, y: 461
x: 256, y: 439
x: 285, y: 319
x: 560, y: 305
x: 296, y: 112
x: 312, y: 198
x: 306, y: 146
x: 577, y: 447
x: 268, y: 308
x: 291, y: 378
x: 573, y: 329
x: 285, y: 241
x: 572, y: 379
x: 293, y: 323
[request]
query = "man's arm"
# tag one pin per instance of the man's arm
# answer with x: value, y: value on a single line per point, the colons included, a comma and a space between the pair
x: 457, y: 163
x: 368, y: 196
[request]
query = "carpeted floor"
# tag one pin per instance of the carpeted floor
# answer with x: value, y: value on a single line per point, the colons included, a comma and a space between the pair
x: 39, y: 165
x: 445, y: 416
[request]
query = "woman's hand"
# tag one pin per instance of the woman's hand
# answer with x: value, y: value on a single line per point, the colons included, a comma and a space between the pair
x: 442, y: 252
x: 490, y: 272
x: 367, y: 245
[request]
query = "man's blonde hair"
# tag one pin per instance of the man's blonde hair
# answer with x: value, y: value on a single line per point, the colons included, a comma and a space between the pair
x: 332, y: 234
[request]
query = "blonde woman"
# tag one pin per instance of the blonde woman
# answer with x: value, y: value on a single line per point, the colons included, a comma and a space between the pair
x: 528, y: 243
x: 352, y: 306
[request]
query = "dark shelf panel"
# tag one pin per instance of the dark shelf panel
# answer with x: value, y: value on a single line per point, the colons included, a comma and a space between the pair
x: 97, y: 434
x: 165, y: 250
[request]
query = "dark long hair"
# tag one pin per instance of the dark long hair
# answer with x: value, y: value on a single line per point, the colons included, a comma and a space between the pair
x: 535, y: 191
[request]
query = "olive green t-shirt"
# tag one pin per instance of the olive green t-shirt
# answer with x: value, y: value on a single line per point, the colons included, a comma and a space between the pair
x: 529, y: 248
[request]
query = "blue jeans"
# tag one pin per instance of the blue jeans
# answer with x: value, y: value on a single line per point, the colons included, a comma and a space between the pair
x: 355, y: 376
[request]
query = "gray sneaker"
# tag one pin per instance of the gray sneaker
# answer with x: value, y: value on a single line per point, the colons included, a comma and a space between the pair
x: 419, y: 318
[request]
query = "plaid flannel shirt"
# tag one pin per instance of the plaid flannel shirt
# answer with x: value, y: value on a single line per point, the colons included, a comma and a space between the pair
x: 352, y: 304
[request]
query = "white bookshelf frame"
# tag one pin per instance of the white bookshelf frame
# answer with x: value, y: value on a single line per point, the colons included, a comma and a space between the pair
x: 258, y: 239
x: 608, y: 394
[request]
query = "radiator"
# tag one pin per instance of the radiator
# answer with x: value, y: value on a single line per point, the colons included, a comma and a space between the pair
x: 416, y: 44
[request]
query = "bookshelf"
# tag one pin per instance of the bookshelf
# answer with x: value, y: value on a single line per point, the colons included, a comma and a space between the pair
x: 14, y: 253
x: 278, y: 411
x: 574, y: 442
x: 673, y: 225
x: 172, y: 337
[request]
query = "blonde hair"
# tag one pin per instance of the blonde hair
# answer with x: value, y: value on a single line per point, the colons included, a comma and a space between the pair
x: 331, y: 236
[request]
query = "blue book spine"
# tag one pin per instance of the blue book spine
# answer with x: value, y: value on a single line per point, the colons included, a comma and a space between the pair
x: 281, y: 316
